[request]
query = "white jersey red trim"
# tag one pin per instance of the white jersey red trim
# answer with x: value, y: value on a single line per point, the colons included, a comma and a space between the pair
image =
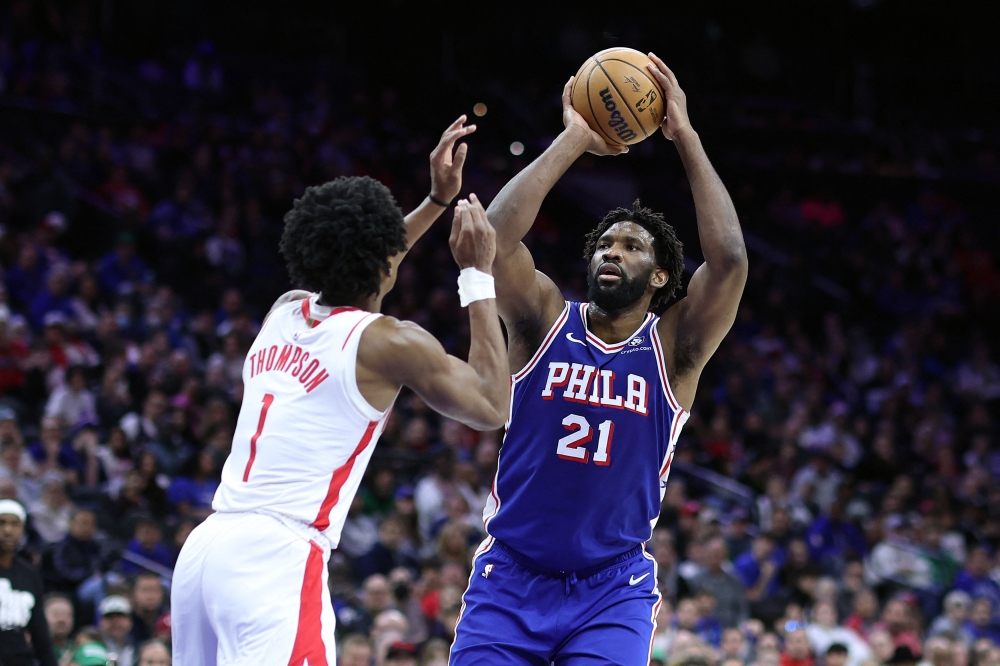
x: 305, y: 433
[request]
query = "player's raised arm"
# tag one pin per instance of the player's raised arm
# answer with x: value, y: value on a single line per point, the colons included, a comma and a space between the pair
x: 446, y: 182
x: 523, y: 295
x: 476, y: 393
x: 701, y: 320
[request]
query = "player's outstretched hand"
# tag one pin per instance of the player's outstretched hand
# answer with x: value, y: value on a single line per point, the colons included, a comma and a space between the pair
x: 447, y: 161
x: 573, y: 120
x: 473, y: 240
x: 676, y: 119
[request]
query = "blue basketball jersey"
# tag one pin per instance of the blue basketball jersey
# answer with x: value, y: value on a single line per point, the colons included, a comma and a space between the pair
x: 591, y: 435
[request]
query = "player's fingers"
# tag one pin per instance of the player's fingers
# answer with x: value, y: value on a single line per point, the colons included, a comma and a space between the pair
x: 448, y: 139
x: 669, y: 88
x: 456, y: 225
x: 662, y: 66
x: 458, y: 123
x: 460, y: 154
x: 567, y: 91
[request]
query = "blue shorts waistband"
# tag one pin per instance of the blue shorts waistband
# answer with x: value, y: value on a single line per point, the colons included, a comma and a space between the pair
x: 580, y: 574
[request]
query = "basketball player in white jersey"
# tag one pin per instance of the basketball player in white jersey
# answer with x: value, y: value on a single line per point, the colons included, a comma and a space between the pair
x: 250, y: 586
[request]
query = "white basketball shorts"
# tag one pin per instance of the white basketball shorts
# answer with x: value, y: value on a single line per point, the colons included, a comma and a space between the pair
x: 251, y: 589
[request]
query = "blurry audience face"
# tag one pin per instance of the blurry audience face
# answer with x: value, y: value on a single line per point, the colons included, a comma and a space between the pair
x: 154, y: 654
x: 881, y: 644
x: 762, y: 548
x: 716, y: 555
x: 733, y: 643
x: 377, y: 594
x: 978, y: 562
x: 896, y: 616
x: 982, y: 612
x: 825, y: 615
x: 390, y: 533
x: 797, y: 645
x: 687, y: 614
x: 83, y: 525
x: 59, y: 616
x: 116, y: 625
x: 147, y: 594
x: 836, y: 659
x: 356, y: 654
x: 865, y: 604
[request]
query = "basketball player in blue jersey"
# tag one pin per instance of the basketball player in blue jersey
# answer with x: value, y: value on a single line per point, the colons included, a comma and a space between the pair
x: 600, y: 393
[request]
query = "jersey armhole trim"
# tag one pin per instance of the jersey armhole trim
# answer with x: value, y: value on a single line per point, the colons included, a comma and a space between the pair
x: 661, y: 365
x: 546, y: 343
x: 350, y: 375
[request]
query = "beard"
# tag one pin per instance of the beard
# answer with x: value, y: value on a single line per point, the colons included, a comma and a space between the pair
x: 612, y: 298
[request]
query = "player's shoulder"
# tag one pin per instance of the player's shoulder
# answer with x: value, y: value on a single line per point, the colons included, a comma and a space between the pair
x: 389, y: 332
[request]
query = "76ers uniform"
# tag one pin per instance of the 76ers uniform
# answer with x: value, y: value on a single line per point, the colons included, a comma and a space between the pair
x: 562, y: 576
x: 250, y: 586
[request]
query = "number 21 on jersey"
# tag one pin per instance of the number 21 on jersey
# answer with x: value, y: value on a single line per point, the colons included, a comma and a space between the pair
x: 570, y: 447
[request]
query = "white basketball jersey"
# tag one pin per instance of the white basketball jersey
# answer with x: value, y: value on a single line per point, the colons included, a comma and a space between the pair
x: 305, y: 434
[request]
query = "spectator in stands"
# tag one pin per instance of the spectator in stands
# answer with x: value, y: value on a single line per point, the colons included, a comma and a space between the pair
x: 76, y: 558
x: 149, y: 606
x: 832, y: 540
x: 433, y: 489
x: 154, y: 653
x: 797, y: 650
x: 727, y: 590
x: 59, y: 616
x: 388, y: 552
x: 115, y: 626
x: 401, y: 654
x: 72, y: 403
x: 836, y: 655
x: 734, y: 645
x: 52, y: 514
x: 974, y: 577
x: 192, y: 491
x: 952, y: 622
x: 981, y: 623
x: 864, y: 613
x: 672, y: 585
x: 897, y: 619
x: 355, y: 650
x: 147, y: 543
x: 757, y: 569
x: 823, y: 632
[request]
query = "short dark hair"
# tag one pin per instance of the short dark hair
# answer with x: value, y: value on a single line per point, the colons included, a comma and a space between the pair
x: 668, y: 248
x: 339, y: 236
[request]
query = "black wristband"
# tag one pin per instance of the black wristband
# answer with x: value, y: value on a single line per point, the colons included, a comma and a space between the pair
x: 434, y: 199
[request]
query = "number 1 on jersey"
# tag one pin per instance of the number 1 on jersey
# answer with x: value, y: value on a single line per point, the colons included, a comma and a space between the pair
x: 268, y: 399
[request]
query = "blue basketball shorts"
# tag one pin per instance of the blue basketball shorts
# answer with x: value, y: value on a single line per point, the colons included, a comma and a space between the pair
x: 517, y: 614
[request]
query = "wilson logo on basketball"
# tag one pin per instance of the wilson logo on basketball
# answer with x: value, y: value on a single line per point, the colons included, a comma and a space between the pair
x: 615, y: 120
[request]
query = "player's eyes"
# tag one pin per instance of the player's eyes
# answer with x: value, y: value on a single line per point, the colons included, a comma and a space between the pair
x: 631, y: 248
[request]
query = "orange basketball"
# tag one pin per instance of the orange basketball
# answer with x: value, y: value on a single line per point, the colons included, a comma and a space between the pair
x: 618, y: 97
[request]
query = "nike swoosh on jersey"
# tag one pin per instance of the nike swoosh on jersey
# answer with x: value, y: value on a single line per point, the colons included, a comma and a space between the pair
x: 569, y: 336
x: 635, y: 581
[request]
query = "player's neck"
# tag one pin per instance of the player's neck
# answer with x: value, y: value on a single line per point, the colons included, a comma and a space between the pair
x: 370, y: 303
x: 615, y: 326
x: 6, y: 559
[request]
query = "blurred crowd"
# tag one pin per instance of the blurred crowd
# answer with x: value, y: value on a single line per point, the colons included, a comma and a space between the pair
x: 856, y: 396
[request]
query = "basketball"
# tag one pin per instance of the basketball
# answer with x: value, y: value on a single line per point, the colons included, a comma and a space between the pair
x: 618, y: 97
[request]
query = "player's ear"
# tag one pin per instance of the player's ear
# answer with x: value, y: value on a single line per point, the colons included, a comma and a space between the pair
x: 659, y: 278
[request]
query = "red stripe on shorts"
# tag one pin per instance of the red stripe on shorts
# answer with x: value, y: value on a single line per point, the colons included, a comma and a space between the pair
x: 339, y: 478
x: 308, y: 647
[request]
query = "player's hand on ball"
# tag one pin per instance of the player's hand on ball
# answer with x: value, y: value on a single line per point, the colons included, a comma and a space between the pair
x: 473, y: 240
x: 447, y: 161
x: 676, y: 119
x: 573, y: 120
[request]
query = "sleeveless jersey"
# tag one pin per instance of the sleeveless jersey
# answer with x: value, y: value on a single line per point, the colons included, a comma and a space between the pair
x: 585, y: 459
x: 305, y: 434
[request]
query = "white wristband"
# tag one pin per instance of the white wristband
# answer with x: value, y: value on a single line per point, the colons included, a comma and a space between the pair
x: 474, y: 285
